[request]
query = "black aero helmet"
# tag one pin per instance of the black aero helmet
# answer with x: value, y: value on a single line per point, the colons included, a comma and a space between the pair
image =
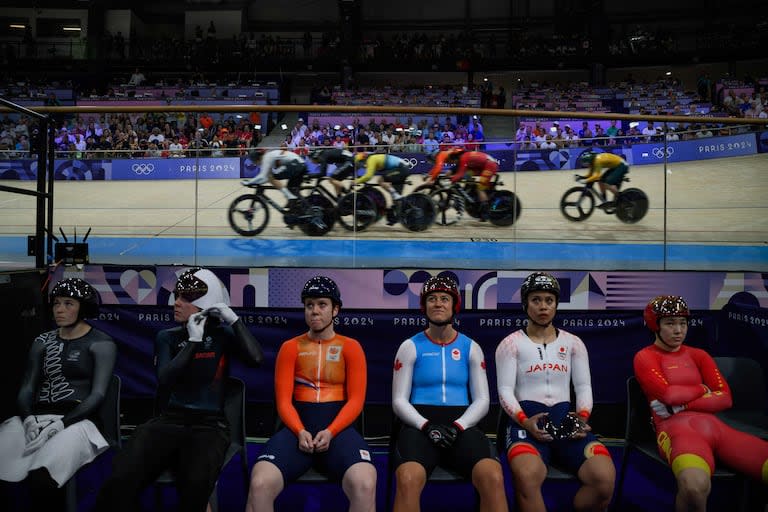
x: 539, y: 282
x: 201, y: 287
x: 441, y: 284
x: 76, y: 288
x: 321, y: 287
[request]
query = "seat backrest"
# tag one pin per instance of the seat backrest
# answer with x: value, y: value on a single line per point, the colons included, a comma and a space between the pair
x: 639, y: 428
x: 746, y: 380
x: 234, y: 411
x: 108, y: 413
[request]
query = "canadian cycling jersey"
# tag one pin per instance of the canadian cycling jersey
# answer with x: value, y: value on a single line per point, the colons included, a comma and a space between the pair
x: 380, y: 162
x: 332, y: 370
x: 538, y: 372
x: 336, y: 156
x: 429, y: 373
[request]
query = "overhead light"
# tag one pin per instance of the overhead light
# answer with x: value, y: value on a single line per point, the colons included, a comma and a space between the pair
x: 337, y: 127
x: 16, y: 25
x: 668, y: 73
x: 284, y: 126
x: 239, y: 116
x: 350, y: 127
x: 71, y: 29
x: 257, y: 127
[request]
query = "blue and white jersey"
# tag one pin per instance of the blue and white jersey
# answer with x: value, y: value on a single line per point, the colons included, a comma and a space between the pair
x: 430, y: 373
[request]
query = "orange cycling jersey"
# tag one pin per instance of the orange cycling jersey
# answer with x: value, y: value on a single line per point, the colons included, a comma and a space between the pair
x: 332, y: 370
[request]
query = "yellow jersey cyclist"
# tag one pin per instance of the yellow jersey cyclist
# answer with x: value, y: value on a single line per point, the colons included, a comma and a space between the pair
x: 393, y: 170
x: 615, y: 170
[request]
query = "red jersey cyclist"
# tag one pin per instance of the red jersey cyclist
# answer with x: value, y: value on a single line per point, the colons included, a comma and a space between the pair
x: 476, y: 162
x: 686, y: 390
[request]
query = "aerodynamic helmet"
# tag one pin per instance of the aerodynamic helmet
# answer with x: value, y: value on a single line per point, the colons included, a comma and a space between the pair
x: 321, y: 287
x: 664, y: 306
x: 587, y: 157
x: 76, y: 288
x: 201, y: 287
x: 441, y: 284
x: 539, y: 282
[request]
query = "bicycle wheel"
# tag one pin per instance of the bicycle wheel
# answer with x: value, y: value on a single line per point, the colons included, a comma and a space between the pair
x: 378, y: 199
x: 417, y: 212
x: 317, y: 215
x: 504, y: 208
x: 450, y: 206
x: 631, y: 205
x: 473, y: 206
x: 356, y: 211
x: 248, y: 214
x: 577, y: 203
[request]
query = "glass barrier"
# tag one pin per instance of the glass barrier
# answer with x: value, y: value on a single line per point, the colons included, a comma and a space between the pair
x: 689, y: 198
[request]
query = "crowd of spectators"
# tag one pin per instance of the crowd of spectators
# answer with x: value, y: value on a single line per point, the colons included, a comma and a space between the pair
x: 183, y: 134
x: 394, y: 134
x: 100, y: 136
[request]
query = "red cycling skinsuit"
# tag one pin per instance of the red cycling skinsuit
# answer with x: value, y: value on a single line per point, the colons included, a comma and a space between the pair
x: 695, y: 436
x: 477, y: 162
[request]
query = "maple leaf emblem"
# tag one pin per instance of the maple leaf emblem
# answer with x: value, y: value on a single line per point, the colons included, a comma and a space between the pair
x: 398, y: 365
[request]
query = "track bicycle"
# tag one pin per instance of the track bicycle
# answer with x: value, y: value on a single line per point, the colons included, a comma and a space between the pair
x: 368, y: 204
x: 314, y: 213
x: 578, y: 203
x: 453, y: 199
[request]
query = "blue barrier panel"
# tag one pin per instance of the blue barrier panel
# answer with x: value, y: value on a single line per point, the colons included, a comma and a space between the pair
x: 699, y: 149
x: 80, y: 170
x: 175, y: 168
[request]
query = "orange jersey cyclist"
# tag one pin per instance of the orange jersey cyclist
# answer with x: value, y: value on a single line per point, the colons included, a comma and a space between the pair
x: 320, y: 383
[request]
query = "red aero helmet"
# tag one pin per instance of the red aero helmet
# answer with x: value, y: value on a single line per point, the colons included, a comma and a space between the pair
x: 441, y: 284
x: 664, y: 306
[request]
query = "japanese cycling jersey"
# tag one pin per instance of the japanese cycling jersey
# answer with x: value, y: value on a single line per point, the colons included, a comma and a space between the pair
x: 529, y: 371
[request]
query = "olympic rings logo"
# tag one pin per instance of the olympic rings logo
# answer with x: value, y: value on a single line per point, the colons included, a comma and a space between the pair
x: 143, y: 169
x: 658, y: 152
x: 411, y: 162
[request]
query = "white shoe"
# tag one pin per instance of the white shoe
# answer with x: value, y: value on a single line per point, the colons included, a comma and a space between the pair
x: 256, y: 180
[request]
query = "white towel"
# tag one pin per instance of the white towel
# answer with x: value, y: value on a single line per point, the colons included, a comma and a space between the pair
x: 62, y: 455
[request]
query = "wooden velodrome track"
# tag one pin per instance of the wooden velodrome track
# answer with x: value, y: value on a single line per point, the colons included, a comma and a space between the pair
x: 719, y: 202
x: 709, y: 201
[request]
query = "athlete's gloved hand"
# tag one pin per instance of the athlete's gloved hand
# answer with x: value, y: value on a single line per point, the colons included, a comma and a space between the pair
x: 440, y: 435
x: 32, y: 427
x: 223, y: 313
x: 660, y: 409
x: 664, y: 411
x: 49, y: 430
x: 196, y: 327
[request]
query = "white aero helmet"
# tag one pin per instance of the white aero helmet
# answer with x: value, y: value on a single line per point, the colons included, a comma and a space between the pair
x: 201, y: 287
